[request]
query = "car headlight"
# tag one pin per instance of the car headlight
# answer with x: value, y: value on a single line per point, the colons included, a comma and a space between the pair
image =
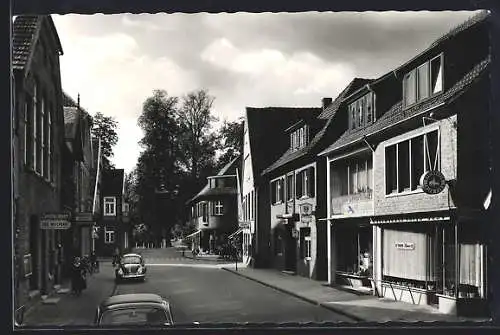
x: 139, y: 270
x: 120, y: 271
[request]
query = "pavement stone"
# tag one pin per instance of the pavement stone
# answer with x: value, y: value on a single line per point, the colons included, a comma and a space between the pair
x: 362, y: 308
x: 63, y: 308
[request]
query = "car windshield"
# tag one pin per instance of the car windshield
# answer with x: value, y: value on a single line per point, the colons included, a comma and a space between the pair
x: 131, y: 260
x: 135, y: 315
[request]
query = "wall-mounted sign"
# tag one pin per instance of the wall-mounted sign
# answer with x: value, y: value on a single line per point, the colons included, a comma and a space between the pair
x: 405, y: 245
x: 55, y: 221
x: 306, y: 212
x: 433, y: 182
x: 83, y: 217
x: 244, y: 224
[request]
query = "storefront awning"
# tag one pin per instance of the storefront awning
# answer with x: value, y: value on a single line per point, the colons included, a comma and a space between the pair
x: 235, y: 233
x: 193, y: 234
x: 409, y: 220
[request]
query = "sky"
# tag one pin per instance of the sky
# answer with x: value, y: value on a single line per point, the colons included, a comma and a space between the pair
x: 244, y: 60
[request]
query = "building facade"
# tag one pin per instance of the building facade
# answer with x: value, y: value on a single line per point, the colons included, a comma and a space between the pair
x: 214, y: 210
x: 78, y: 176
x: 113, y: 232
x: 262, y: 127
x: 408, y: 178
x: 38, y: 139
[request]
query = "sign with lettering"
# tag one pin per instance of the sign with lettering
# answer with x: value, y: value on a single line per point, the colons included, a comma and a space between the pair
x: 405, y: 245
x: 433, y: 182
x: 55, y: 221
x: 84, y: 217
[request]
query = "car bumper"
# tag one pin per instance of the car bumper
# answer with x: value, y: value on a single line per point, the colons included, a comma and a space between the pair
x: 131, y: 276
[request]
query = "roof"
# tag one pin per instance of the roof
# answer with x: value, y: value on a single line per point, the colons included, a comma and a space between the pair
x: 112, y: 182
x: 265, y: 125
x: 355, y: 84
x: 132, y: 298
x: 228, y: 169
x: 477, y: 18
x: 132, y: 255
x: 25, y: 30
x: 291, y: 155
x: 396, y: 114
x: 71, y: 120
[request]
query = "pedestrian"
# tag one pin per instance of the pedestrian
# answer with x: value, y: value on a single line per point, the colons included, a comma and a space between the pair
x: 94, y: 263
x: 77, y: 276
x: 116, y: 256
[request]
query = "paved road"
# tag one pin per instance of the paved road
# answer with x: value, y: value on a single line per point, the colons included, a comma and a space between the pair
x: 201, y: 292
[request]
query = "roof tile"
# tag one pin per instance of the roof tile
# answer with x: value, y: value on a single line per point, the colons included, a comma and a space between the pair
x: 23, y: 33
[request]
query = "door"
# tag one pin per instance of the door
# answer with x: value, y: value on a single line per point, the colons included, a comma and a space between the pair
x: 290, y: 250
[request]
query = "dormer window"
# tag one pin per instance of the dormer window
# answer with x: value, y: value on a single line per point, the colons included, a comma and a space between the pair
x: 299, y: 138
x: 362, y: 111
x: 424, y: 81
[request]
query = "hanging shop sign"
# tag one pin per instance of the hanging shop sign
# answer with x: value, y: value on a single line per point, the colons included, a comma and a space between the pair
x: 405, y: 245
x: 433, y: 182
x: 55, y: 221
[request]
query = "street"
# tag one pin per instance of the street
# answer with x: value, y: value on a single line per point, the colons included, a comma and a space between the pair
x: 199, y: 291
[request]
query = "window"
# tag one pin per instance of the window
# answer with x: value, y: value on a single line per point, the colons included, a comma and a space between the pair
x: 299, y: 138
x: 28, y: 110
x: 424, y: 81
x: 277, y: 191
x: 49, y: 145
x: 41, y: 125
x: 362, y: 111
x: 289, y: 187
x: 305, y: 183
x: 34, y: 129
x: 109, y: 206
x: 406, y: 161
x: 219, y: 208
x: 109, y: 235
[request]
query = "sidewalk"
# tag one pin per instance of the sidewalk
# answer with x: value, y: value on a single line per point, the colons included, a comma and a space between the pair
x: 63, y: 308
x: 360, y: 308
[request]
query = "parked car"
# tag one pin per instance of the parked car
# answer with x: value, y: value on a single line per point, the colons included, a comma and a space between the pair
x: 131, y: 266
x: 134, y: 309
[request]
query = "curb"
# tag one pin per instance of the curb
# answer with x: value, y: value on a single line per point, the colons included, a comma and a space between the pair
x: 311, y: 301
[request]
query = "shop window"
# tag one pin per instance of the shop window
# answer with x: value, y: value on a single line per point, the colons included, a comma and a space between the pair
x: 109, y: 236
x: 423, y: 81
x: 406, y: 161
x: 109, y: 206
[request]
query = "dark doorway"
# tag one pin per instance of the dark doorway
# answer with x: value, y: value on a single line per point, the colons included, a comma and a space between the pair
x: 290, y: 250
x: 34, y: 233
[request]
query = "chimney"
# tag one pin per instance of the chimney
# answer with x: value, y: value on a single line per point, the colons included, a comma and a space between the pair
x: 326, y: 102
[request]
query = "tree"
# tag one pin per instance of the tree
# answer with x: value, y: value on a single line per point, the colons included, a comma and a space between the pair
x: 158, y: 164
x: 199, y: 142
x: 104, y: 128
x: 231, y: 139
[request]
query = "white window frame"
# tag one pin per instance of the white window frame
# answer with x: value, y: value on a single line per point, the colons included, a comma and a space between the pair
x: 49, y: 144
x: 42, y: 136
x: 109, y: 235
x: 429, y: 74
x: 26, y: 129
x: 395, y: 143
x: 112, y: 202
x: 218, y: 207
x: 277, y: 190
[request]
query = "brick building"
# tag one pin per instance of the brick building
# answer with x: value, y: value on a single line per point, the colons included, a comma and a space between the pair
x: 38, y: 139
x: 422, y: 149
